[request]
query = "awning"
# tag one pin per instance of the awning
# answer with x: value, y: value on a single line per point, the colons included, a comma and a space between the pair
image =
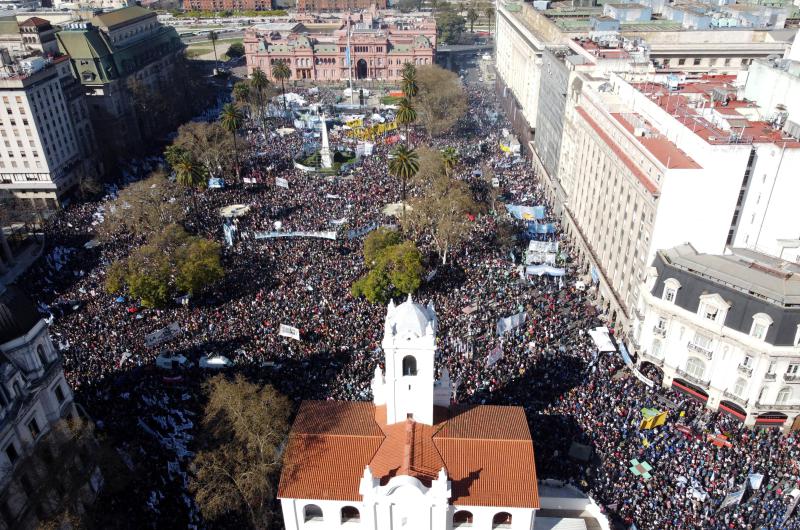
x: 690, y: 389
x: 732, y: 409
x: 771, y: 419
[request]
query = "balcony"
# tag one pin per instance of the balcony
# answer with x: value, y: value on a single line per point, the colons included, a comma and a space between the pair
x: 633, y: 342
x: 700, y: 349
x: 791, y: 378
x: 659, y: 332
x: 776, y: 406
x: 745, y: 370
x: 653, y: 359
x: 692, y: 379
x: 736, y: 399
x: 769, y: 377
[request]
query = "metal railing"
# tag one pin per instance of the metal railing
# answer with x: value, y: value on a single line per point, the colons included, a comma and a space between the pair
x: 661, y: 332
x: 733, y: 397
x: 746, y: 370
x: 776, y: 406
x: 700, y: 349
x: 689, y: 377
x: 769, y: 377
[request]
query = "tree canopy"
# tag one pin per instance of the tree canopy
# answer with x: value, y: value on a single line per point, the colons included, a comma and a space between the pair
x: 171, y: 263
x: 449, y: 24
x: 394, y: 267
x: 244, y: 425
x: 441, y: 100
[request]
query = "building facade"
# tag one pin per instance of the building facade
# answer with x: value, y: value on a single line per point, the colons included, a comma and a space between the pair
x: 34, y: 396
x: 378, y: 49
x: 227, y: 5
x: 725, y: 330
x: 113, y: 55
x: 339, y: 6
x: 409, y: 459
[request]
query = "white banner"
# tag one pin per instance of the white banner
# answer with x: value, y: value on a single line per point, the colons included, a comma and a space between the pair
x: 281, y: 182
x: 162, y: 335
x: 289, y: 331
x: 272, y: 235
x: 494, y: 355
x: 508, y: 323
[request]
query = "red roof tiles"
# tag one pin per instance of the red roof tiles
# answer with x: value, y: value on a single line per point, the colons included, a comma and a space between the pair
x: 486, y: 450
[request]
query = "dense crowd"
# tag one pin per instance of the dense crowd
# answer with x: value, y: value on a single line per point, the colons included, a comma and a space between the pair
x: 549, y: 365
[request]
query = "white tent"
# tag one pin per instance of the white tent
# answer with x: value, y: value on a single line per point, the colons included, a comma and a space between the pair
x: 216, y: 362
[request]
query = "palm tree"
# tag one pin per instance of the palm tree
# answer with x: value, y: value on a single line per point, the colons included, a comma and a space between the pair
x: 190, y: 173
x: 488, y: 12
x: 472, y: 16
x: 406, y: 115
x: 241, y: 92
x: 280, y: 70
x: 404, y: 165
x: 449, y: 159
x: 232, y: 120
x: 259, y: 82
x: 212, y: 36
x: 409, y: 80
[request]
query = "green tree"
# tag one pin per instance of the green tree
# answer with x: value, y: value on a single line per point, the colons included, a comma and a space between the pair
x: 407, y: 6
x: 172, y: 262
x: 431, y: 166
x: 488, y: 12
x: 209, y: 144
x: 449, y: 25
x: 241, y: 93
x: 377, y: 241
x: 403, y: 165
x: 237, y: 465
x: 450, y: 159
x: 472, y: 16
x: 441, y: 101
x: 408, y: 81
x: 394, y: 269
x: 282, y: 72
x: 235, y: 50
x: 232, y: 120
x: 405, y: 116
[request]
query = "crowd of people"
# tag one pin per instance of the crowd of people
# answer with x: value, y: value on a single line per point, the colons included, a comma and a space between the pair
x: 549, y: 364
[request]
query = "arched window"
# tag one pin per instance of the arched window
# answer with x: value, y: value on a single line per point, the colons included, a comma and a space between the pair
x: 784, y: 395
x: 761, y: 323
x: 462, y: 519
x: 350, y: 514
x: 312, y: 512
x: 501, y: 520
x: 42, y: 356
x: 695, y: 367
x: 409, y: 365
x: 671, y: 286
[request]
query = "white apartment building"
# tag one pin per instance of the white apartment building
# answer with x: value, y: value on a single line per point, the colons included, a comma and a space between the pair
x: 724, y: 330
x: 40, y: 153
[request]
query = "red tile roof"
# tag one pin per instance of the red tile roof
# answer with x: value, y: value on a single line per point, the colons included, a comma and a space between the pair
x: 665, y: 151
x: 638, y: 173
x: 35, y: 21
x: 486, y: 450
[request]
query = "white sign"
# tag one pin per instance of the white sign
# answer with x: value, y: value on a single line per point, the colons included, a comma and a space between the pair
x: 509, y: 323
x: 289, y: 331
x: 602, y: 340
x: 162, y: 335
x: 281, y: 182
x: 271, y: 235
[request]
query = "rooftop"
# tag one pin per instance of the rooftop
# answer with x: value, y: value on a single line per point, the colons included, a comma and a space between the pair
x: 486, y: 450
x: 774, y: 279
x: 708, y: 105
x: 657, y: 144
x: 120, y: 17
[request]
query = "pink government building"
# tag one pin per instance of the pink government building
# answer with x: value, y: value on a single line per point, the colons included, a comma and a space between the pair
x: 317, y: 50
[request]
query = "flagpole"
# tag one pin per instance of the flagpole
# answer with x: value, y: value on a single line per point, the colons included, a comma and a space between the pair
x: 349, y: 59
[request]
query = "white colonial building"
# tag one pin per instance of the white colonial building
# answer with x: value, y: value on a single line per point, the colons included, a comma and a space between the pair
x: 409, y: 460
x: 725, y: 330
x: 33, y: 396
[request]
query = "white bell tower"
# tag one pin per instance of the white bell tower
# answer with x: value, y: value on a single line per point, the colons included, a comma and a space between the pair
x: 409, y: 345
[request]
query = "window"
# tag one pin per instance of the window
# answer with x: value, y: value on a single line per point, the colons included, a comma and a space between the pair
x: 350, y: 514
x: 696, y: 61
x: 681, y: 62
x: 662, y: 323
x: 671, y: 286
x: 695, y: 367
x: 740, y: 387
x: 669, y: 295
x: 409, y: 365
x: 59, y: 394
x: 710, y: 312
x: 41, y: 354
x: 761, y: 323
x: 462, y: 519
x: 784, y: 395
x: 702, y: 340
x: 792, y: 369
x: 11, y: 453
x: 33, y: 427
x: 312, y: 512
x: 747, y: 361
x: 501, y: 520
x: 656, y: 348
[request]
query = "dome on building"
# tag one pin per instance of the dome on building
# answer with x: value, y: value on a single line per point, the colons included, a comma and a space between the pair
x: 18, y: 314
x: 412, y: 317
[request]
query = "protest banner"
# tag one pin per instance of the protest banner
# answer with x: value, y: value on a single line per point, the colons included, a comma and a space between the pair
x: 162, y: 335
x: 281, y: 182
x: 732, y: 499
x: 289, y: 331
x: 508, y: 323
x: 494, y: 355
x: 272, y: 235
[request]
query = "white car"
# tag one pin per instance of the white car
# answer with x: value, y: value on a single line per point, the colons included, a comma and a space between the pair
x: 215, y: 361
